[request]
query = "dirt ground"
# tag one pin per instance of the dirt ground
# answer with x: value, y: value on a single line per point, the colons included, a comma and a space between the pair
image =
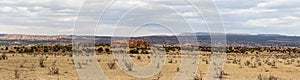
x: 284, y: 69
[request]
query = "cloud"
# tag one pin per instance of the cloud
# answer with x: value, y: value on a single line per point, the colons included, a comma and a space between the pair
x: 238, y: 15
x: 35, y: 14
x: 279, y: 4
x: 57, y: 14
x: 145, y: 30
x: 53, y: 3
x: 287, y: 22
x: 35, y: 30
x: 7, y: 9
x: 8, y: 2
x: 260, y: 16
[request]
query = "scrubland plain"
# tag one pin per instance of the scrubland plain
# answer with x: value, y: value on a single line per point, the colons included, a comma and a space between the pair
x: 236, y: 67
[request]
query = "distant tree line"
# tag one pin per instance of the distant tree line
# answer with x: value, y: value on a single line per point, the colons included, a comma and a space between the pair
x: 38, y: 49
x: 106, y: 49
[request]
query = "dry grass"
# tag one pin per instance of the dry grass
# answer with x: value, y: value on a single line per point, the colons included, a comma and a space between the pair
x: 10, y: 69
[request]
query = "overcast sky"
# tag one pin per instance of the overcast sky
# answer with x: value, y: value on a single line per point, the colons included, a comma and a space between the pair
x: 51, y: 17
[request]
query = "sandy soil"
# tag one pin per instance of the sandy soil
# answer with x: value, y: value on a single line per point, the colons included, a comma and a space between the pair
x: 67, y: 70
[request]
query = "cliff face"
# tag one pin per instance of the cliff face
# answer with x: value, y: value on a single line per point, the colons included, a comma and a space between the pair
x: 139, y: 43
x: 33, y: 37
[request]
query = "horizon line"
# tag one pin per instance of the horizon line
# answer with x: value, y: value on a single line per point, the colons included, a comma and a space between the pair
x: 185, y: 33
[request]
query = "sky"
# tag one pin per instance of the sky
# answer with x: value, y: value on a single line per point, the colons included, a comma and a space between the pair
x: 53, y: 17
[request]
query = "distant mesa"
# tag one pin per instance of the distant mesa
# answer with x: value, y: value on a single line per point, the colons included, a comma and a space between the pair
x: 270, y: 35
x: 2, y: 35
x: 208, y: 33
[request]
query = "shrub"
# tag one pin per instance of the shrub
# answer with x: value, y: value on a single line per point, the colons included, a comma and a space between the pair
x: 241, y: 66
x: 287, y: 62
x: 159, y: 76
x: 293, y: 60
x: 72, y: 61
x: 253, y: 65
x: 139, y: 58
x: 298, y: 65
x: 259, y: 77
x: 111, y: 65
x: 42, y: 60
x: 79, y: 65
x: 22, y: 65
x: 148, y: 57
x: 223, y: 73
x: 272, y: 77
x: 274, y: 65
x: 247, y: 63
x: 17, y: 74
x: 171, y: 61
x: 132, y: 56
x: 3, y: 57
x: 53, y: 70
x: 32, y: 67
x: 158, y: 65
x: 234, y: 61
x: 206, y: 61
x: 259, y: 63
x: 197, y: 77
x: 129, y: 66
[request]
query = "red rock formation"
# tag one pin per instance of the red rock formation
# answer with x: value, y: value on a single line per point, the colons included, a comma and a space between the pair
x: 139, y: 43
